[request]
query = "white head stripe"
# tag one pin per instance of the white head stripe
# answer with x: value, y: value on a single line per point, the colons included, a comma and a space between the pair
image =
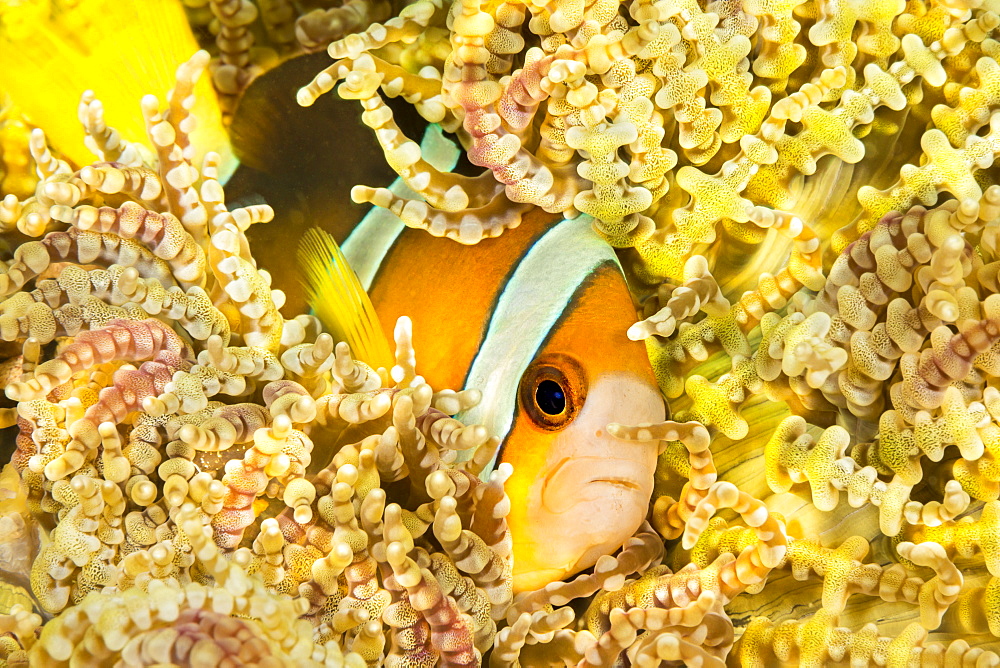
x: 534, y: 297
x: 371, y: 239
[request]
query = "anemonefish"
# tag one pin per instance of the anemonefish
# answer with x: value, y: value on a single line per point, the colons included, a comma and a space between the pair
x: 536, y: 320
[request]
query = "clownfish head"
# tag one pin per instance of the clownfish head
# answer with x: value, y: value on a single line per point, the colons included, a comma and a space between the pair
x: 576, y: 491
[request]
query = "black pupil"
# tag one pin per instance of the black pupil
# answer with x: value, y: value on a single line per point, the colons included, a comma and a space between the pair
x: 550, y: 398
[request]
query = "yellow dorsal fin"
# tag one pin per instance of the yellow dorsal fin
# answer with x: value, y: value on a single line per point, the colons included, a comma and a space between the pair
x: 50, y: 53
x: 336, y: 296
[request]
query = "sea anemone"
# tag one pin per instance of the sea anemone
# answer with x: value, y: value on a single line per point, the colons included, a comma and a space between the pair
x: 803, y: 197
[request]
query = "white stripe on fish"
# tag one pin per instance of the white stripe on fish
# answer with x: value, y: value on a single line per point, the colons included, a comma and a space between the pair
x: 537, y: 293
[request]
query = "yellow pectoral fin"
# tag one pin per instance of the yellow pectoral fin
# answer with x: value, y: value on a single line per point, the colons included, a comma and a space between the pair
x: 336, y: 296
x: 50, y: 53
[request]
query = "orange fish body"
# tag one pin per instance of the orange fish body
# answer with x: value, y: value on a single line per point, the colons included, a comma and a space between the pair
x: 536, y: 320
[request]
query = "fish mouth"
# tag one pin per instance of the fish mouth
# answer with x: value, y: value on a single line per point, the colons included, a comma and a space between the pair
x: 589, y: 506
x: 621, y: 482
x: 588, y: 473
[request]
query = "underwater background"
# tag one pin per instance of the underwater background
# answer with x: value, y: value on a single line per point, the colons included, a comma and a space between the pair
x: 569, y: 332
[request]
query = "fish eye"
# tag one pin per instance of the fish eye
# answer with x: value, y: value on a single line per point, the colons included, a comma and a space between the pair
x: 550, y: 397
x: 552, y: 392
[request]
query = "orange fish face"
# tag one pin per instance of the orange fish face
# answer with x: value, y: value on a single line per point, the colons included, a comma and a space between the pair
x: 578, y: 493
x: 588, y: 492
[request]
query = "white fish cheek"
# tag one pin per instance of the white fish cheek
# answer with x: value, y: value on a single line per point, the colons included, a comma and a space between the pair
x: 598, y: 487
